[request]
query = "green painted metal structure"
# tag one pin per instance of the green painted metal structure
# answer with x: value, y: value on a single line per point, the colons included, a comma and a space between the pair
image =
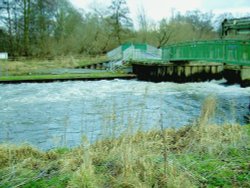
x: 139, y: 46
x: 134, y: 51
x: 236, y: 28
x: 236, y: 52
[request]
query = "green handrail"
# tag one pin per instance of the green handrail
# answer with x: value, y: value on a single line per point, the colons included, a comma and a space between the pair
x: 235, y: 52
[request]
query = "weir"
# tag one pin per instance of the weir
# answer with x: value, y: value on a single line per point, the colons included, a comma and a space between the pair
x: 237, y: 74
x: 175, y: 62
x: 189, y: 61
x: 181, y: 72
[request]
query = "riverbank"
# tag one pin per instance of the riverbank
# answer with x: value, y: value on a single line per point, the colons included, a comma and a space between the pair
x: 115, y: 154
x: 64, y: 77
x: 58, y: 69
x: 193, y: 156
x: 24, y: 66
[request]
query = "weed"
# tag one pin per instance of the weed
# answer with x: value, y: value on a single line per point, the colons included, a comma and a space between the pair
x: 199, y: 155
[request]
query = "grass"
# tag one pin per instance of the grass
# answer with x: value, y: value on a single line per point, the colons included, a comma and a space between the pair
x: 38, y: 70
x: 32, y: 66
x: 199, y: 155
x: 217, y: 156
x: 96, y: 75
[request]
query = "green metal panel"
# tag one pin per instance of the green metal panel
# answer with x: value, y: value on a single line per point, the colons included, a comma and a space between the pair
x: 142, y: 47
x: 125, y: 46
x: 237, y: 27
x: 136, y: 46
x: 135, y: 51
x: 225, y: 51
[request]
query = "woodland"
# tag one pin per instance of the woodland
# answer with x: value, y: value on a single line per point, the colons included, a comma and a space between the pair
x: 51, y: 28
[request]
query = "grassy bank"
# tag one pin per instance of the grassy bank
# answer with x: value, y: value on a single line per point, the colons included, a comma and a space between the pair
x: 51, y: 77
x: 199, y: 155
x: 193, y: 156
x: 43, y: 70
x: 24, y: 66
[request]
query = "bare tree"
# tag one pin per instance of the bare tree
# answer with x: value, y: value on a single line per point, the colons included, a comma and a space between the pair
x: 119, y: 18
x: 6, y: 15
x: 164, y: 33
x: 143, y: 24
x: 201, y: 23
x: 26, y: 25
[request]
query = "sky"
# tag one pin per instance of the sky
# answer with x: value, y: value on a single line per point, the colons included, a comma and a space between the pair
x: 158, y: 9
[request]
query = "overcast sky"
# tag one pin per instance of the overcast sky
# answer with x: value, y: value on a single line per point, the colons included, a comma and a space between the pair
x: 158, y: 9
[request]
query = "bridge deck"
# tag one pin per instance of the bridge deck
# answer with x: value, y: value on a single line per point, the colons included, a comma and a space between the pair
x: 235, y: 52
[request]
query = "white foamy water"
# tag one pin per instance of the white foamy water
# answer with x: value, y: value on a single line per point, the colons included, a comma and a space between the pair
x: 58, y: 114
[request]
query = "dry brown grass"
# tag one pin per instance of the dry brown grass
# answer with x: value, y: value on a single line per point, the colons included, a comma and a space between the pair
x: 129, y: 161
x: 33, y: 66
x: 144, y: 159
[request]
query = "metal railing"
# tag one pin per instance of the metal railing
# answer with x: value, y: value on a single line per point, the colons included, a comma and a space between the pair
x: 225, y: 51
x: 134, y: 52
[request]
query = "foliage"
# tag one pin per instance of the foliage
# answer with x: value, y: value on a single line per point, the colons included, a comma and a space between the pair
x: 43, y: 28
x: 194, y: 158
x: 119, y: 20
x: 33, y: 66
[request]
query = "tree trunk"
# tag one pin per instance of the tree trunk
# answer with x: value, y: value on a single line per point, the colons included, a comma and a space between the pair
x: 10, y: 34
x: 26, y: 15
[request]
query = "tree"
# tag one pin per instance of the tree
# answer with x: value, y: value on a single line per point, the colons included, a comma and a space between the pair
x: 3, y: 40
x: 26, y: 25
x: 201, y: 23
x: 7, y: 11
x: 119, y: 19
x: 164, y: 33
x: 143, y: 24
x: 45, y: 28
x: 43, y: 25
x: 219, y: 19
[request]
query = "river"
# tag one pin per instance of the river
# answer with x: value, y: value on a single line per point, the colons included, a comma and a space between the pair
x: 61, y: 114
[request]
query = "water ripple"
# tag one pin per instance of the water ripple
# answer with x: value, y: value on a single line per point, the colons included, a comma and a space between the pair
x: 58, y: 114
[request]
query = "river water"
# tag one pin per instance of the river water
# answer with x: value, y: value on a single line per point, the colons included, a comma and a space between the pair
x: 60, y: 114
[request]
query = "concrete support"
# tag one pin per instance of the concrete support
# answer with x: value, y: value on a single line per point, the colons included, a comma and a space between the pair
x: 178, y: 72
x: 237, y: 74
x: 188, y: 71
x: 213, y: 69
x: 98, y: 66
x: 245, y: 73
x: 245, y: 76
x: 192, y: 72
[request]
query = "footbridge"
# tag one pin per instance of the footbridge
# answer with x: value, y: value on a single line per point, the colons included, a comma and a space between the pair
x: 199, y: 61
x: 188, y: 61
x: 233, y: 52
x: 228, y: 57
